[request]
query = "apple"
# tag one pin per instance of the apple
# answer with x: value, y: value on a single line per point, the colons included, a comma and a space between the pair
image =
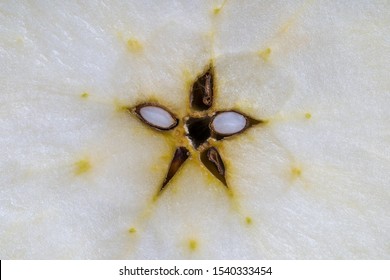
x: 81, y: 175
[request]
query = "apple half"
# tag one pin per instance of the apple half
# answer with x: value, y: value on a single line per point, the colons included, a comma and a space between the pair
x: 80, y: 174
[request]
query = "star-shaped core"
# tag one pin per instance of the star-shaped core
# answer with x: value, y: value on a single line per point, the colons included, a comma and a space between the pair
x: 204, y: 125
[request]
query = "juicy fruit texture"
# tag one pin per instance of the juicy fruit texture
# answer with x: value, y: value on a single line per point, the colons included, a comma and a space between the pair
x: 79, y: 174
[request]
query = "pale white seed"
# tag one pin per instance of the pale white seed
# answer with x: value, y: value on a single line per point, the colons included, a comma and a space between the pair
x: 228, y: 123
x: 157, y: 116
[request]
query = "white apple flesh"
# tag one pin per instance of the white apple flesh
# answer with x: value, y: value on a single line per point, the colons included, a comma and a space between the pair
x: 79, y: 175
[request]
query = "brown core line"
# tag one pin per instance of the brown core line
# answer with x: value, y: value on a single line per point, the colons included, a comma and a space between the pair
x: 180, y: 156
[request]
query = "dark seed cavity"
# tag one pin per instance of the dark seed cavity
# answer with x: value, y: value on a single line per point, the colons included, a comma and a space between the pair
x: 198, y: 130
x: 201, y: 97
x: 180, y: 156
x: 213, y: 162
x: 156, y: 116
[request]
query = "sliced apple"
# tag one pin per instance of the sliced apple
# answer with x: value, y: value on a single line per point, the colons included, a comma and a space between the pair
x: 80, y: 174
